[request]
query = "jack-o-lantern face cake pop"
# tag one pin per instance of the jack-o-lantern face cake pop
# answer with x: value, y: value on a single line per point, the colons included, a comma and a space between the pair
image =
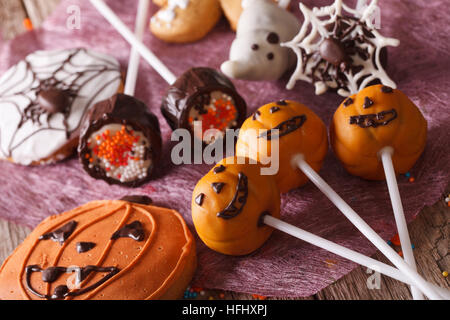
x: 377, y: 117
x: 43, y: 99
x: 228, y: 203
x: 113, y: 250
x: 300, y: 131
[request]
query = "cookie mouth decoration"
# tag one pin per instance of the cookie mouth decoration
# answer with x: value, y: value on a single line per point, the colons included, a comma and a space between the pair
x: 130, y: 251
x: 206, y: 96
x: 284, y: 128
x: 374, y: 120
x: 229, y: 221
x: 120, y: 141
x: 340, y: 52
x: 43, y: 99
x: 52, y: 274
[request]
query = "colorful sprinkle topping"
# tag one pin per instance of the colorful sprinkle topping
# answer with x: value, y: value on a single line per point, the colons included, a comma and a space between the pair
x: 218, y: 112
x: 120, y: 151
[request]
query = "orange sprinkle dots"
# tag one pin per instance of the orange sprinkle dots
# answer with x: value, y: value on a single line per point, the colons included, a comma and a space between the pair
x: 115, y: 148
x: 28, y: 24
x: 259, y: 297
x: 411, y: 179
x: 396, y: 240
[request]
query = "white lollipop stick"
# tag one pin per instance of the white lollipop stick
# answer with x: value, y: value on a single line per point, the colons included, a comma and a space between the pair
x: 112, y: 18
x: 365, y: 229
x: 386, y: 158
x: 345, y: 252
x: 133, y: 63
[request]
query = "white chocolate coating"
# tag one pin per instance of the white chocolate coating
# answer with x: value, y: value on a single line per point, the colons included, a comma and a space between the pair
x: 269, y: 61
x: 91, y: 76
x: 306, y: 45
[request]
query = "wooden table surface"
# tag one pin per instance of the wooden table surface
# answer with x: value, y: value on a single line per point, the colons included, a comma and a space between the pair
x: 429, y: 232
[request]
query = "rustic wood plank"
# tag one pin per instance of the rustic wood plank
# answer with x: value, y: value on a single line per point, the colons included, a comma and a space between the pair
x: 11, y: 235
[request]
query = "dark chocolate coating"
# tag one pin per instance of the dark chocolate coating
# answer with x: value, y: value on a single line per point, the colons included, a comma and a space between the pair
x: 129, y: 111
x: 194, y: 82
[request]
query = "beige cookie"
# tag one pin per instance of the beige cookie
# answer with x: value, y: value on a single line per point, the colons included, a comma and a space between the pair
x: 182, y: 21
x: 160, y: 3
x: 233, y: 9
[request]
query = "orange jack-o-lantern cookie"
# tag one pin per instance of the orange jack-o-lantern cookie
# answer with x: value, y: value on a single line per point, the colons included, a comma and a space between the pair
x: 377, y: 117
x: 298, y: 131
x: 114, y: 250
x: 228, y: 204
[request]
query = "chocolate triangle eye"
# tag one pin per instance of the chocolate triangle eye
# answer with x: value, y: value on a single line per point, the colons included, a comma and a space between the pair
x: 60, y: 235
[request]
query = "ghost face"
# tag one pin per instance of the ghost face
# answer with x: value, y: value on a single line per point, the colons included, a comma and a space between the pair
x: 257, y: 56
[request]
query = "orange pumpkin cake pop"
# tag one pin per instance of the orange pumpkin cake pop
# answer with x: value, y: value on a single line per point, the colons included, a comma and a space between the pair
x: 374, y: 118
x: 228, y: 203
x: 300, y: 131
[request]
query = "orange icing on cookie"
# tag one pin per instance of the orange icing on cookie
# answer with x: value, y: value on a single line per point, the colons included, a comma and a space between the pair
x: 158, y: 267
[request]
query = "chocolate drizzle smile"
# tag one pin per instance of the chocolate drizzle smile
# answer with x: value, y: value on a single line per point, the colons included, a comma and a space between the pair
x: 374, y: 119
x: 284, y: 128
x: 239, y: 199
x: 52, y: 274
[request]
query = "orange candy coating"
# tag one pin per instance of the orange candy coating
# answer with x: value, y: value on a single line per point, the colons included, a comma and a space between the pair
x: 358, y: 148
x: 244, y: 232
x: 310, y: 139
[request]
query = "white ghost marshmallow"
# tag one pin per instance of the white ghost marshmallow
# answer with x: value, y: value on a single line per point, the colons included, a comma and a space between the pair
x: 256, y: 53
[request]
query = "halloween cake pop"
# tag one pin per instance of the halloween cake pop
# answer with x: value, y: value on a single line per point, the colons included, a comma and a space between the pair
x: 376, y: 117
x: 120, y: 141
x: 300, y: 131
x: 111, y: 249
x: 205, y: 96
x: 228, y: 203
x: 256, y: 53
x: 43, y: 99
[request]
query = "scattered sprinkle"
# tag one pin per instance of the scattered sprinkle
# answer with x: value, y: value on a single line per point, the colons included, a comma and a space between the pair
x: 389, y: 242
x: 407, y: 174
x: 259, y: 297
x: 221, y: 295
x: 411, y: 179
x: 445, y: 273
x: 396, y: 240
x: 400, y: 253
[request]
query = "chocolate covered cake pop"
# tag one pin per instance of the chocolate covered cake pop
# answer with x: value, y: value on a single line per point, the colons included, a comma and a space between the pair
x: 204, y: 96
x: 43, y: 99
x: 120, y: 141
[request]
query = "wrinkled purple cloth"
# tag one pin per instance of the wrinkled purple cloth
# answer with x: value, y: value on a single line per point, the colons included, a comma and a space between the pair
x: 284, y: 266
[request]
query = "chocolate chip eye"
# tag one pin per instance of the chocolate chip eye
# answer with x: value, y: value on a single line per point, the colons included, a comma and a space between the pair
x: 273, y: 38
x: 270, y: 56
x: 255, y: 46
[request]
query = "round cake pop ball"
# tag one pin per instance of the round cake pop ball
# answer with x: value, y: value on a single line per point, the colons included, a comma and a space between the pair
x: 300, y: 131
x: 375, y: 118
x: 228, y: 204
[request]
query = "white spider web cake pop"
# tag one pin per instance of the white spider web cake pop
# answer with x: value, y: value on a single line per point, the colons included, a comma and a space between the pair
x: 340, y: 52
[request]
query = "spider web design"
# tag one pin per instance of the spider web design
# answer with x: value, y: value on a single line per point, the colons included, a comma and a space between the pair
x: 67, y: 81
x: 357, y: 36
